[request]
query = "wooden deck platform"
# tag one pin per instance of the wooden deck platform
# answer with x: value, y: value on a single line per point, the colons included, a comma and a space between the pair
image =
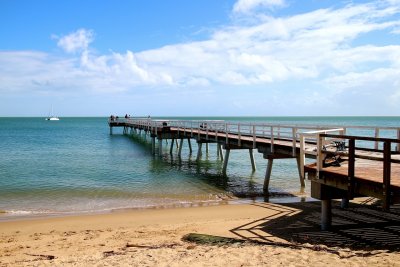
x: 368, y: 179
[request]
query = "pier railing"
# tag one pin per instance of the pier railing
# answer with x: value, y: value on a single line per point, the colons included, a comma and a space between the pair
x: 274, y: 132
x: 385, y: 155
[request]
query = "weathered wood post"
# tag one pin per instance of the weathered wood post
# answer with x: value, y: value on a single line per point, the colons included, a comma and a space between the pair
x: 268, y: 175
x: 253, y: 163
x: 160, y: 146
x: 153, y: 145
x: 180, y: 148
x: 199, y: 153
x: 300, y: 168
x: 326, y: 214
x: 227, y: 152
x: 386, y: 175
x: 172, y: 146
x: 219, y: 152
x: 344, y: 204
x: 190, y: 145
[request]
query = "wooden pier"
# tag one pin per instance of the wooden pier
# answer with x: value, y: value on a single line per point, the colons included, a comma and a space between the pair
x: 341, y: 169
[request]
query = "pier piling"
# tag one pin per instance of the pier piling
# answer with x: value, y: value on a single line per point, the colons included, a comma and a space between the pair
x: 225, y: 166
x: 180, y: 147
x: 253, y: 163
x: 190, y: 145
x: 326, y: 214
x: 199, y: 153
x: 268, y: 175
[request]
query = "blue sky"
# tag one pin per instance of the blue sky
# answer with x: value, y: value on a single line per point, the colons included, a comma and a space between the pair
x: 200, y: 57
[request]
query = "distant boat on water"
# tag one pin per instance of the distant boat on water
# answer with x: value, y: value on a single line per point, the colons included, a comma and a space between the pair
x: 51, y: 117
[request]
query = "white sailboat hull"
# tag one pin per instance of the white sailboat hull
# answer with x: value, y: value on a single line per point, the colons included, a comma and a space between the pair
x: 52, y: 119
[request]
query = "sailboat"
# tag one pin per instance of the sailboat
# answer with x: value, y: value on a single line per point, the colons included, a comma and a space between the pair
x: 51, y: 117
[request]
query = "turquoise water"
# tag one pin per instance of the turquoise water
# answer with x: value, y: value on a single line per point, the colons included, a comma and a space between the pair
x: 74, y: 165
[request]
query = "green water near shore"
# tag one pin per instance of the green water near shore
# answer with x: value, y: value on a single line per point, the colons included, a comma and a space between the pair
x: 74, y: 165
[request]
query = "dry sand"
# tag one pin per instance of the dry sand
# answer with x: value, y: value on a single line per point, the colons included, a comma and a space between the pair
x: 154, y: 238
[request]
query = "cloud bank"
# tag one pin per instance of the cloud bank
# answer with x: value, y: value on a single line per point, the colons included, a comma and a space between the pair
x: 323, y: 49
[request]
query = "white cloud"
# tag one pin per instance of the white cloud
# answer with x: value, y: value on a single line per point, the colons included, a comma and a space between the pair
x: 246, y: 6
x: 76, y: 41
x: 317, y: 47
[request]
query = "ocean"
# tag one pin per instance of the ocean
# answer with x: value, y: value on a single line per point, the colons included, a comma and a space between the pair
x: 75, y: 166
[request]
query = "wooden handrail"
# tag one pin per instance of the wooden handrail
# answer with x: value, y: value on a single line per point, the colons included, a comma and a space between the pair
x: 361, y: 138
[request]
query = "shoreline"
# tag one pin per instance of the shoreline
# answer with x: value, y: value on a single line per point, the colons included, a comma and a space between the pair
x: 27, y: 215
x: 153, y: 237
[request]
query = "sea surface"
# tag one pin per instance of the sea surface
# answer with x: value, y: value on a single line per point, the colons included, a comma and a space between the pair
x: 75, y: 166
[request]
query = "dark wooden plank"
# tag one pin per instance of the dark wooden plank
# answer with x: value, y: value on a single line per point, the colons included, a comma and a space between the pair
x: 350, y: 170
x: 386, y: 175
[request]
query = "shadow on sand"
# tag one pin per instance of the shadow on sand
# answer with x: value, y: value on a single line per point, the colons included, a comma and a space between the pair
x: 360, y: 226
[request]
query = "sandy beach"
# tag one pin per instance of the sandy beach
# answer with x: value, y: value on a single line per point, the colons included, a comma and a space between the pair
x: 155, y: 238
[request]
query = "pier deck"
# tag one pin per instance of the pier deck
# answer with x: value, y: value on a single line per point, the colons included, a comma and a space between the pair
x: 372, y: 168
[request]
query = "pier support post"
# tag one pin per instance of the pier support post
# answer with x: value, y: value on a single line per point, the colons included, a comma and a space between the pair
x: 345, y: 203
x: 253, y: 163
x: 153, y: 145
x: 199, y: 150
x: 172, y: 146
x: 160, y: 146
x: 111, y: 130
x: 219, y: 152
x: 227, y: 152
x: 180, y: 148
x: 326, y: 214
x: 190, y: 145
x: 176, y: 141
x: 206, y: 148
x: 301, y: 172
x: 268, y: 175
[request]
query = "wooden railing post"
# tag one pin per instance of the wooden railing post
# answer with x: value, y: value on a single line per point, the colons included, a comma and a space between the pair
x: 254, y: 136
x: 239, y: 141
x: 376, y: 136
x: 226, y: 132
x: 272, y: 139
x: 386, y: 174
x: 294, y: 137
x: 320, y: 155
x: 398, y: 138
x: 302, y: 156
x: 351, y: 166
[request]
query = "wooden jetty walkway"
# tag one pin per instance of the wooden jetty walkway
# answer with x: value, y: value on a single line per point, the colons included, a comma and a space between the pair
x: 344, y: 166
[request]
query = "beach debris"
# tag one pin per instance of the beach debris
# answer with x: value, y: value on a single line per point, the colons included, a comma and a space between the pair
x: 204, y: 239
x: 150, y: 246
x: 42, y: 256
x: 112, y: 253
